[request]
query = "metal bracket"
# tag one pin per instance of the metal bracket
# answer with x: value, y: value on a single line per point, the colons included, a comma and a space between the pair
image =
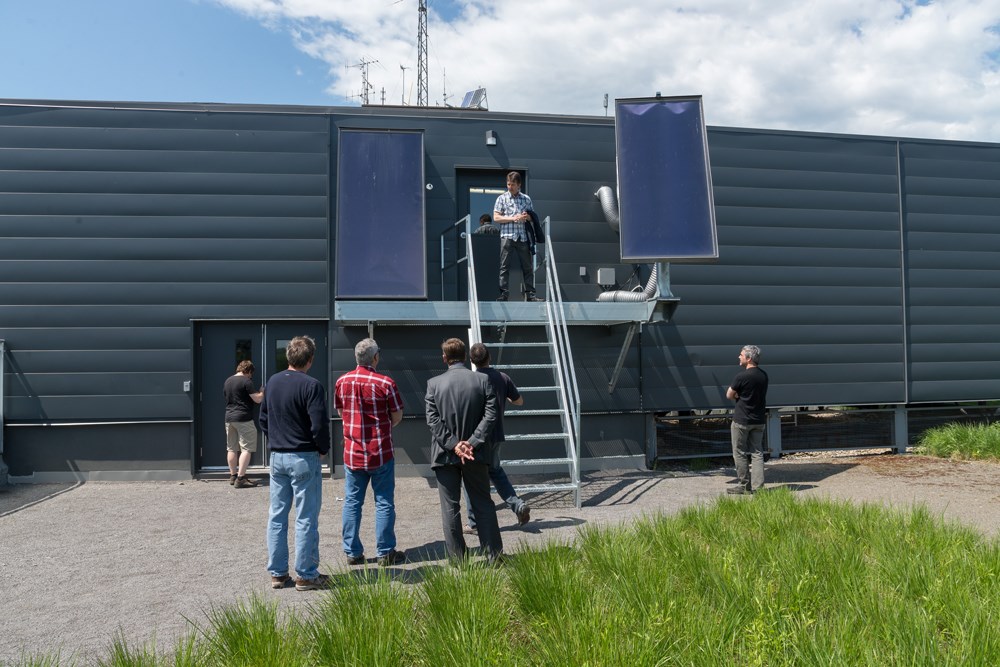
x: 621, y: 355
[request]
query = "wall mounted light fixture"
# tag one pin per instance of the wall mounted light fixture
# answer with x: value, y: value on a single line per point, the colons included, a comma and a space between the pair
x: 491, y: 138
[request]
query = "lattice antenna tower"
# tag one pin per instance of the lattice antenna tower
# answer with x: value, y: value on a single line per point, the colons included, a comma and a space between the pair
x: 366, y: 87
x: 422, y: 54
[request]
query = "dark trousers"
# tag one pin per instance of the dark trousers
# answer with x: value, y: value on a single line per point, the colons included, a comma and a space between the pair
x: 476, y: 479
x: 521, y: 250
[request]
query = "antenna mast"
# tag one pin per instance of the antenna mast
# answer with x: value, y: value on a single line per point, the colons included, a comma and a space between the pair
x: 422, y: 54
x: 365, y: 85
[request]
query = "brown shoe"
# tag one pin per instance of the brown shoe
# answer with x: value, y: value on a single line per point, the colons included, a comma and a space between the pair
x: 469, y: 530
x: 280, y: 582
x: 392, y: 558
x: 245, y: 483
x: 357, y: 560
x: 321, y: 581
x: 232, y: 480
x: 523, y: 514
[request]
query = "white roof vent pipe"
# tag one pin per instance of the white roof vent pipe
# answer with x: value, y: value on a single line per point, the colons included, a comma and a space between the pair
x: 609, y: 204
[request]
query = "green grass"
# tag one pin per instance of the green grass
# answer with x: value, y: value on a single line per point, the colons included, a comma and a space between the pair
x: 771, y: 580
x: 980, y: 442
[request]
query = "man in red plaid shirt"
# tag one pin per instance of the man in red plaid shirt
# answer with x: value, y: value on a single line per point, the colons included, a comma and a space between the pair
x: 370, y: 406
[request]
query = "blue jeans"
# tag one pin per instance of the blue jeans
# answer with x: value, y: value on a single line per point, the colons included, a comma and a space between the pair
x: 504, y: 489
x: 298, y: 475
x: 383, y: 481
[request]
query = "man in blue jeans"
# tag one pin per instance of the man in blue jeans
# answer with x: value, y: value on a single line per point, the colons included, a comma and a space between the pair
x: 371, y: 407
x: 295, y: 419
x: 506, y: 391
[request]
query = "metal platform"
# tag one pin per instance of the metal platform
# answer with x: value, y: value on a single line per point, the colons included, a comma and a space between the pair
x: 428, y: 313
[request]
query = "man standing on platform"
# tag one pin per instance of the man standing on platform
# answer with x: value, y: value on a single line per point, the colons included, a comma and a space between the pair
x: 511, y: 214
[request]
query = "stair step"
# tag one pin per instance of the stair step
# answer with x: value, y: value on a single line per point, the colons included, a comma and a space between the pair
x: 530, y: 413
x: 512, y: 323
x: 534, y: 462
x: 528, y: 488
x: 522, y: 366
x: 535, y: 436
x: 520, y: 344
x: 524, y: 389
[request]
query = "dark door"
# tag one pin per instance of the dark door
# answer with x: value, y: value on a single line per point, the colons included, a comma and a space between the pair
x: 222, y: 345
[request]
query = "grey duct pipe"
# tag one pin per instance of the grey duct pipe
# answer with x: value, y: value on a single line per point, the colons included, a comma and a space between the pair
x: 609, y: 204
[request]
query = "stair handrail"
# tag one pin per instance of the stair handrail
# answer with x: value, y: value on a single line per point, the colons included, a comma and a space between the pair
x: 475, y: 326
x: 565, y: 368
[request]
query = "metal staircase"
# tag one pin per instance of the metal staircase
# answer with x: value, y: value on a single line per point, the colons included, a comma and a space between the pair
x: 550, y: 362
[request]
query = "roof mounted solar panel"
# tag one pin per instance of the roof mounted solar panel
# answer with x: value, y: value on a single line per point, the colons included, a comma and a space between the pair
x: 665, y: 199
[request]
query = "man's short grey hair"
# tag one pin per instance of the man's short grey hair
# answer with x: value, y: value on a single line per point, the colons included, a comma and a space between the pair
x: 365, y: 351
x: 752, y: 353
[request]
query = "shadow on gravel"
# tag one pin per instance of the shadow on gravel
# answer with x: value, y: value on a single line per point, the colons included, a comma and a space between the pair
x: 802, y: 476
x: 17, y: 497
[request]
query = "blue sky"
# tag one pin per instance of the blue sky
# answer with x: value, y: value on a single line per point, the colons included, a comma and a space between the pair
x: 926, y: 68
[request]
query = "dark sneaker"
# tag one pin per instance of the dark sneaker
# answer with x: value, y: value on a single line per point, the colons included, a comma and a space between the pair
x: 523, y: 514
x: 469, y: 530
x: 245, y: 483
x: 280, y: 582
x: 739, y: 491
x: 357, y: 560
x: 321, y: 581
x: 502, y: 297
x: 392, y: 558
x: 532, y: 298
x: 232, y: 480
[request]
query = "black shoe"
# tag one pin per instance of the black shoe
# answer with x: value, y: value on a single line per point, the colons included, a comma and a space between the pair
x: 392, y: 558
x: 739, y: 491
x: 734, y: 480
x: 356, y: 560
x: 502, y: 297
x: 532, y: 298
x: 245, y: 483
x: 232, y: 480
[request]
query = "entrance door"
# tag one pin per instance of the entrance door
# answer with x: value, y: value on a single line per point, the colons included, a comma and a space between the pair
x: 478, y: 191
x: 222, y: 345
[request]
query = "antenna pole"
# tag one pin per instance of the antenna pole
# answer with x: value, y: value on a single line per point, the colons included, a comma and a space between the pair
x: 422, y: 54
x: 365, y: 85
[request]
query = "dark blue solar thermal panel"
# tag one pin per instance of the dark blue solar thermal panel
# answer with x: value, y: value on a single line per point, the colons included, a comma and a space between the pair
x: 664, y: 182
x: 381, y: 247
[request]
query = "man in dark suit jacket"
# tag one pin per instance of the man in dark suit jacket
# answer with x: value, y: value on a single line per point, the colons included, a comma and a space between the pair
x: 461, y: 408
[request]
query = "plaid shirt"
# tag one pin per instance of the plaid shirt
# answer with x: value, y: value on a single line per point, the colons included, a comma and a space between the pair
x: 366, y: 399
x: 508, y: 206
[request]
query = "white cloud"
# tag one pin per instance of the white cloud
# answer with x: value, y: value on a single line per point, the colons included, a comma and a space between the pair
x: 898, y: 68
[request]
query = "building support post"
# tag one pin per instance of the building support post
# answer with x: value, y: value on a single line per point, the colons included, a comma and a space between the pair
x: 621, y: 356
x: 4, y: 470
x: 774, y: 433
x: 900, y: 430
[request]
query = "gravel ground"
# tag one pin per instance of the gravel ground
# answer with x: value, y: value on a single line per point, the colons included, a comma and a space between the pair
x: 79, y: 563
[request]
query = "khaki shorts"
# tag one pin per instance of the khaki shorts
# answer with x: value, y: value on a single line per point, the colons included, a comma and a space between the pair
x: 241, y: 436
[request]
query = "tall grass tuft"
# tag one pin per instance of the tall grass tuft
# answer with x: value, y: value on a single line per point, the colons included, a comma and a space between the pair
x: 366, y: 621
x: 962, y: 441
x: 253, y: 633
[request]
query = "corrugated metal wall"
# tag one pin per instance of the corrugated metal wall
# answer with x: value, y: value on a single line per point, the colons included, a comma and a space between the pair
x: 952, y: 204
x: 119, y: 226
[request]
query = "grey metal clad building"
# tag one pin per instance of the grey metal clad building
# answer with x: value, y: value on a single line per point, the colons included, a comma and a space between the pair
x: 145, y: 248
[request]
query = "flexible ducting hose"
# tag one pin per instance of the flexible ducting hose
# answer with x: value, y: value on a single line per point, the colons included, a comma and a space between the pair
x: 648, y: 292
x: 609, y: 204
